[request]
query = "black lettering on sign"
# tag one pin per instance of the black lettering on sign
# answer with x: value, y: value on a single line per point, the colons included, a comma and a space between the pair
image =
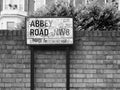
x: 67, y: 32
x: 36, y: 32
x: 37, y: 40
x: 32, y: 24
x: 40, y: 23
x: 62, y: 32
x: 37, y: 23
x: 31, y: 32
x: 46, y: 32
x: 39, y: 32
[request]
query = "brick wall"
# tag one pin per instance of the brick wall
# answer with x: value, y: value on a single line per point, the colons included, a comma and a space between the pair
x: 50, y: 70
x: 14, y: 61
x: 94, y: 58
x: 95, y: 61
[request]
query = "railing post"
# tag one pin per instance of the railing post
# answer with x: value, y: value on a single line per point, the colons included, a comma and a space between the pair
x: 68, y: 68
x: 32, y: 68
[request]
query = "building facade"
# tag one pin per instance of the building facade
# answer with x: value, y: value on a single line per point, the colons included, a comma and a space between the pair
x: 13, y: 12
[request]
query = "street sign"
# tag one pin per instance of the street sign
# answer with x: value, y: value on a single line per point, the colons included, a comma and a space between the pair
x: 49, y: 31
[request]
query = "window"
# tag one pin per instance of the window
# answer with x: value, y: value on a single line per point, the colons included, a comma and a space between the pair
x: 13, y: 5
x: 10, y: 25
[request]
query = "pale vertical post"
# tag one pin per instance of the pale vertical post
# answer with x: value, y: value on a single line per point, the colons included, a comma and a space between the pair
x: 44, y: 2
x: 74, y: 3
x: 4, y: 1
x: 118, y: 4
x: 85, y: 2
x: 105, y: 1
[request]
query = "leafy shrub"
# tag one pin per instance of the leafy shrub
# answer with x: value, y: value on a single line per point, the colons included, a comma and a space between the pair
x: 86, y: 17
x: 60, y: 9
x: 95, y: 17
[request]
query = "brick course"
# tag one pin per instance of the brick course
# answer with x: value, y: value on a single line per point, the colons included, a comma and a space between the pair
x: 94, y: 58
x: 14, y: 61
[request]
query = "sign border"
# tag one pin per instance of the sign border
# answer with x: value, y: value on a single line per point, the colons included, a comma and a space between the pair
x: 48, y: 44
